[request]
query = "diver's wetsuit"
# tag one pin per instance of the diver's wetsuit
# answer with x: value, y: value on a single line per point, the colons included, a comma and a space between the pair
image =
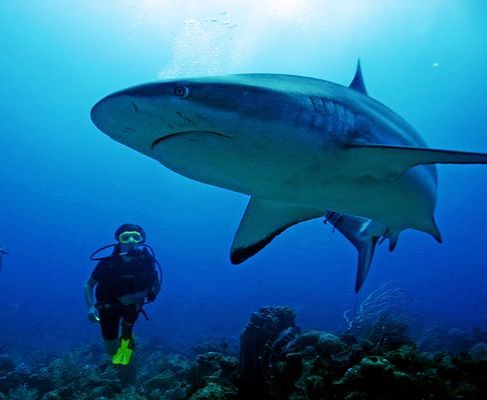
x: 118, y: 276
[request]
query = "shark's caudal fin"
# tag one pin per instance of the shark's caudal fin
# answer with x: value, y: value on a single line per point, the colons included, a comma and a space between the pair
x: 364, y: 235
x: 263, y: 221
x: 388, y: 162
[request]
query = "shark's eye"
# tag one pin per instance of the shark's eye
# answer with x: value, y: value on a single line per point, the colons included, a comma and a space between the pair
x: 181, y: 91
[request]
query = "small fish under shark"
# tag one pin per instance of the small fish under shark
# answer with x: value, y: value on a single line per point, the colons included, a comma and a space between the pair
x: 302, y: 148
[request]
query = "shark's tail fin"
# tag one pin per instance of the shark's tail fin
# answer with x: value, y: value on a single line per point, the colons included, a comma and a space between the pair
x: 364, y: 235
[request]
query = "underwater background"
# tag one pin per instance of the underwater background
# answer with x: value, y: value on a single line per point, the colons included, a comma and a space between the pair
x: 65, y: 186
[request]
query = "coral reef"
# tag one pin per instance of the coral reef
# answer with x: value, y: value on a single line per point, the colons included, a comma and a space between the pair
x: 441, y: 337
x: 256, y: 348
x: 478, y: 352
x: 277, y: 362
x: 385, y: 318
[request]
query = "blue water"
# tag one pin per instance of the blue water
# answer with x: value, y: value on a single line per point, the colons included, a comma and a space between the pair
x: 65, y: 186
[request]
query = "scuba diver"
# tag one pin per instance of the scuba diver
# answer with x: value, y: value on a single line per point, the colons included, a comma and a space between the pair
x: 125, y: 280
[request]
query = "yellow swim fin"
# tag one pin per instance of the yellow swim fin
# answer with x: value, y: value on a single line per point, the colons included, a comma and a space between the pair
x: 124, y: 354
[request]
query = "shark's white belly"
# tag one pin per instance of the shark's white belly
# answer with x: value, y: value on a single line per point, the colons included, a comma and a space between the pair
x: 292, y: 175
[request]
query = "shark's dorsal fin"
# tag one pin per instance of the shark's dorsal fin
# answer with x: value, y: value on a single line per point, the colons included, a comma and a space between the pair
x: 358, y: 80
x: 263, y: 221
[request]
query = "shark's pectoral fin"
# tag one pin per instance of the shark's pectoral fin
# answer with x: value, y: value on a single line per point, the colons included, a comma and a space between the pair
x: 263, y: 221
x: 364, y: 234
x: 388, y: 162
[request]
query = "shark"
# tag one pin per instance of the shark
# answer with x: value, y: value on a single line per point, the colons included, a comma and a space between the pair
x: 302, y: 148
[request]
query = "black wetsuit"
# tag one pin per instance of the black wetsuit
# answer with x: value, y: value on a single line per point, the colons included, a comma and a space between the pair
x: 118, y: 276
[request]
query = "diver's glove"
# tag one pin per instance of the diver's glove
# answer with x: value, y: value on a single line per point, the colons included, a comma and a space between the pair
x: 93, y: 315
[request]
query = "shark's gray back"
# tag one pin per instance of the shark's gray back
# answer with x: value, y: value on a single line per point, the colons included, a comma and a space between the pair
x: 397, y: 131
x: 318, y: 88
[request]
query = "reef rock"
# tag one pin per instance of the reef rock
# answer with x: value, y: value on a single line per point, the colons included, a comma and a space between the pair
x: 307, y: 367
x: 324, y: 343
x: 256, y: 348
x: 213, y: 391
x: 164, y: 381
x: 10, y: 378
x: 376, y: 378
x: 6, y: 364
x: 215, y: 374
x: 478, y: 352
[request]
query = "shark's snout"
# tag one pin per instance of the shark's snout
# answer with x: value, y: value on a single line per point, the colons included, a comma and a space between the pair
x: 114, y: 115
x: 98, y: 114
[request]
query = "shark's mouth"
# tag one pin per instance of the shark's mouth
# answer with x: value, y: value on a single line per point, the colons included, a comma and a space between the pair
x: 174, y: 135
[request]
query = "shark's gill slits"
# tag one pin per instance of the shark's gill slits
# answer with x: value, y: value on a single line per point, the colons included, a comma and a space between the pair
x: 164, y: 138
x: 331, y: 116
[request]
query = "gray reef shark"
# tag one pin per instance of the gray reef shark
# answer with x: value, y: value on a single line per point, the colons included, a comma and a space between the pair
x: 302, y: 148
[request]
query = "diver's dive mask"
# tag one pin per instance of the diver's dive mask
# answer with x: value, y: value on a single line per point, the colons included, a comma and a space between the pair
x: 130, y: 237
